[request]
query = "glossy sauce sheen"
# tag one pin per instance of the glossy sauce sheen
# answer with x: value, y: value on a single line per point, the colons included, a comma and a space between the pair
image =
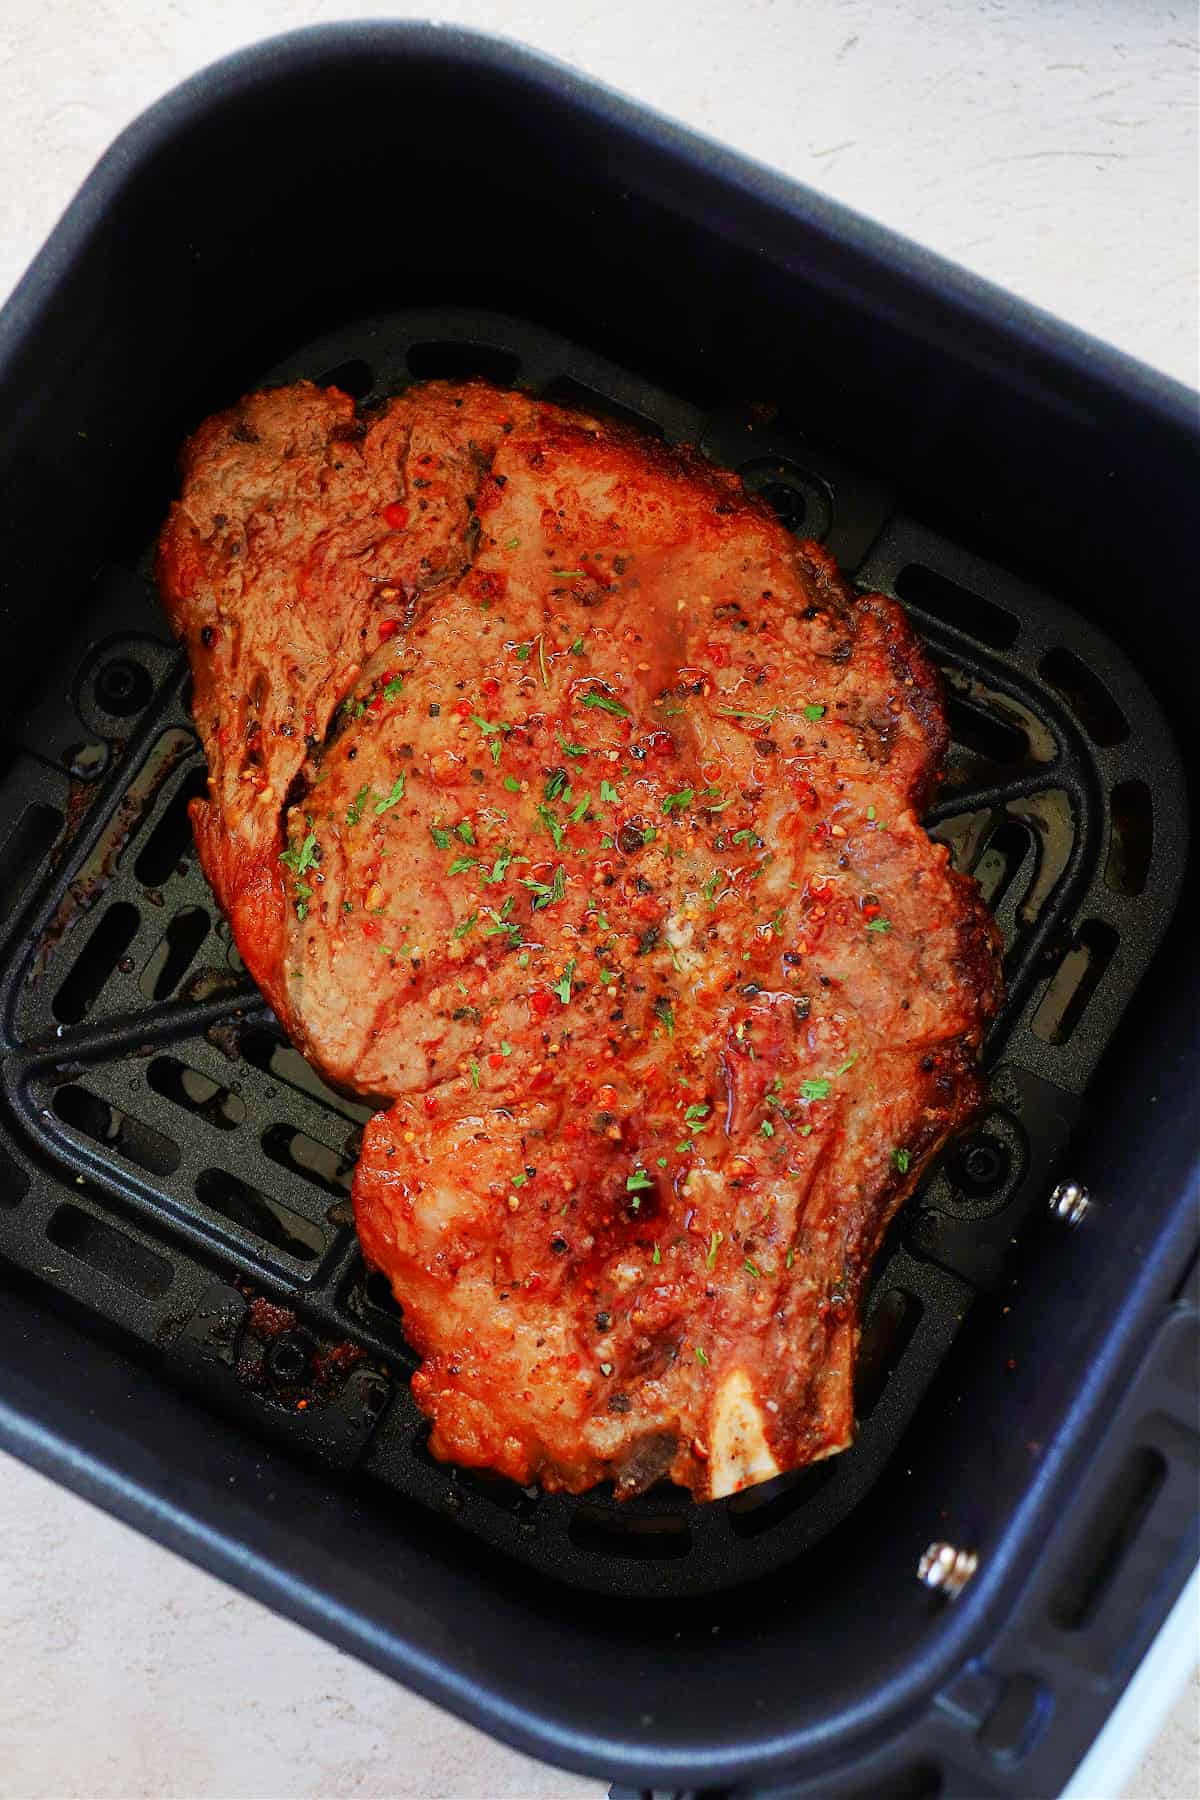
x: 561, y: 799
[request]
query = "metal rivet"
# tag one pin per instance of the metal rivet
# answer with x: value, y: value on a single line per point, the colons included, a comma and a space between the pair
x: 946, y: 1570
x: 1070, y: 1203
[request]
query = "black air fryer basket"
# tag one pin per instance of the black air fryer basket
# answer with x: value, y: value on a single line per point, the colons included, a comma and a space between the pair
x: 187, y: 1331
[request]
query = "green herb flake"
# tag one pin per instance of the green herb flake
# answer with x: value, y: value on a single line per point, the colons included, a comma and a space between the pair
x: 728, y: 712
x: 657, y: 1258
x: 790, y: 1258
x: 902, y: 1160
x: 393, y: 687
x: 606, y: 703
x: 354, y: 810
x: 714, y: 1244
x: 848, y: 1064
x: 519, y: 1181
x: 701, y: 1357
x: 392, y: 799
x: 460, y: 865
x: 677, y: 801
x: 552, y: 825
x: 465, y: 925
x: 465, y: 831
x: 580, y: 812
x: 505, y: 1047
x: 641, y: 1178
x: 870, y: 812
x: 767, y: 1129
x: 814, y: 712
x: 694, y: 1114
x: 440, y: 836
x: 751, y: 1268
x: 666, y: 1014
x: 879, y: 924
x: 512, y: 784
x: 570, y: 749
x: 577, y: 647
x: 816, y: 1089
x: 608, y: 793
x: 710, y: 887
x: 744, y: 837
x: 562, y: 987
x: 303, y: 858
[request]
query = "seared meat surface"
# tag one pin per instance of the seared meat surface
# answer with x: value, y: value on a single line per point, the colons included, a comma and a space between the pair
x: 564, y: 802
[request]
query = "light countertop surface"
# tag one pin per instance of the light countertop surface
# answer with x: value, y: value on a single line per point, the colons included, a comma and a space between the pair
x: 1050, y: 145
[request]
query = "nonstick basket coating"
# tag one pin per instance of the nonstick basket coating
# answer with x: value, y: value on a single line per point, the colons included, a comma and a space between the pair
x: 201, y: 1170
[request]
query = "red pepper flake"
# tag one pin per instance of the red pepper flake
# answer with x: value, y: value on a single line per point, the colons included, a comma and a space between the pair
x: 463, y: 708
x: 491, y: 687
x: 395, y: 516
x: 388, y: 628
x: 370, y: 929
x: 541, y: 1002
x: 430, y: 1103
x: 495, y: 1060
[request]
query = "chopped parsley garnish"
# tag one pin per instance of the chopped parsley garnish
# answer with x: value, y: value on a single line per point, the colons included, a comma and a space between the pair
x: 523, y: 652
x: 512, y: 784
x: 465, y: 925
x: 552, y: 825
x: 465, y: 831
x: 751, y: 1268
x: 608, y: 793
x: 694, y: 1114
x: 580, y: 812
x: 546, y: 896
x: 714, y: 1244
x: 461, y: 864
x: 303, y: 858
x: 577, y: 647
x: 392, y: 799
x: 743, y: 837
x: 848, y: 1064
x: 570, y: 749
x: 657, y: 1258
x: 677, y: 801
x: 505, y: 1047
x: 727, y: 712
x: 701, y: 1357
x: 814, y: 712
x: 767, y: 1129
x: 816, y: 1089
x: 500, y: 867
x: 606, y: 703
x: 640, y: 1178
x: 710, y: 887
x: 393, y: 687
x: 666, y: 1014
x: 562, y: 987
x: 354, y: 810
x: 556, y: 781
x: 519, y: 1180
x: 487, y: 729
x: 474, y: 1067
x: 902, y: 1160
x: 440, y: 836
x: 879, y: 924
x: 567, y: 574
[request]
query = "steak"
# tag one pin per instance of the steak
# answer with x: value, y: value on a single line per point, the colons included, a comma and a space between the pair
x: 567, y: 805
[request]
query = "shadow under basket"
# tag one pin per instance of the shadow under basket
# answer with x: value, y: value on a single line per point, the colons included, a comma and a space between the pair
x: 174, y: 1178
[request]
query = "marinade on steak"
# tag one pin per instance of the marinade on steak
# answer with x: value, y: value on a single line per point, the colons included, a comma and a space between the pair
x: 563, y: 801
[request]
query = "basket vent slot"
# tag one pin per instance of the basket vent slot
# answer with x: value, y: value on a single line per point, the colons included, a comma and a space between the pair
x: 95, y: 963
x: 1087, y: 697
x: 312, y: 1161
x: 115, y: 1130
x: 171, y: 838
x: 109, y: 1252
x: 196, y: 1093
x: 1113, y: 1527
x: 174, y: 953
x: 957, y: 606
x: 463, y: 362
x: 1131, y: 838
x: 1075, y: 981
x: 255, y: 1212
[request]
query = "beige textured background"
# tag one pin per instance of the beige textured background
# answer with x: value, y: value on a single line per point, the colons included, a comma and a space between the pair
x: 1050, y: 146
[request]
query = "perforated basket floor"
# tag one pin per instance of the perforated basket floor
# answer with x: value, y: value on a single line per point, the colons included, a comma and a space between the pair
x: 172, y: 1165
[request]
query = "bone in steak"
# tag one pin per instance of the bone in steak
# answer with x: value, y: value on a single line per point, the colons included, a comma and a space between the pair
x: 563, y: 801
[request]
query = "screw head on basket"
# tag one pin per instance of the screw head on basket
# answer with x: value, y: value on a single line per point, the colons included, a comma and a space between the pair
x: 944, y: 1569
x: 1070, y: 1203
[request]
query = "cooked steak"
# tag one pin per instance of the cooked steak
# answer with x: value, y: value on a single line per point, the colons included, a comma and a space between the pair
x: 564, y: 802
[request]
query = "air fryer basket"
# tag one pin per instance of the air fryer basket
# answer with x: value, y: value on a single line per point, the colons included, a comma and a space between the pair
x: 174, y: 1178
x: 207, y: 1168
